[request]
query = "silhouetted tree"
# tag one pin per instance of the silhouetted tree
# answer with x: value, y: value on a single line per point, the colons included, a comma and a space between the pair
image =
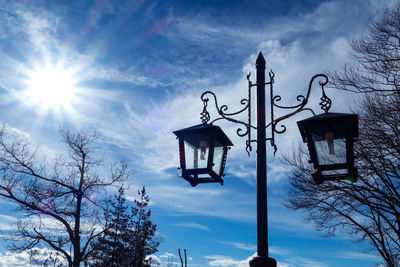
x: 60, y: 201
x: 112, y: 248
x: 129, y: 236
x: 370, y: 209
x: 377, y: 55
x: 144, y: 240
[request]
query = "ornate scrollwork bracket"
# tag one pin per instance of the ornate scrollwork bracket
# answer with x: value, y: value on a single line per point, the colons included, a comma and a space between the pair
x: 244, y: 130
x: 325, y: 105
x: 275, y: 123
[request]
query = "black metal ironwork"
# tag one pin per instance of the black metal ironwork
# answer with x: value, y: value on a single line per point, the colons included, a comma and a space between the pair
x: 228, y: 116
x: 325, y: 105
x: 197, y: 145
x: 331, y: 127
x: 205, y: 116
x: 326, y: 102
x: 262, y: 208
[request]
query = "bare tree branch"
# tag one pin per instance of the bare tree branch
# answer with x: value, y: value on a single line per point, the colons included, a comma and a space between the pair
x: 69, y: 193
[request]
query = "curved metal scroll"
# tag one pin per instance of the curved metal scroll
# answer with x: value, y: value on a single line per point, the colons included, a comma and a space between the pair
x: 325, y: 101
x: 325, y: 105
x: 222, y: 111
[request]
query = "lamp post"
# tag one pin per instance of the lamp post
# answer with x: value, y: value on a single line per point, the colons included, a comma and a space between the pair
x: 322, y: 133
x: 262, y: 258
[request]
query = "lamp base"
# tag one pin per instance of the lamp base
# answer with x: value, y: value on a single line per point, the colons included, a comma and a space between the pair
x: 259, y: 261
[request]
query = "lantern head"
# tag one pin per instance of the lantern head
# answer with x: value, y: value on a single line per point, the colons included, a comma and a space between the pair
x: 330, y: 138
x: 202, y: 150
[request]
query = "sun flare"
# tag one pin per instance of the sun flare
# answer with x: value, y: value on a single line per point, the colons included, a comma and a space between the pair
x: 51, y: 87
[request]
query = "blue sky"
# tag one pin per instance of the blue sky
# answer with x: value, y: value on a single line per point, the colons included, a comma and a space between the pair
x: 138, y: 68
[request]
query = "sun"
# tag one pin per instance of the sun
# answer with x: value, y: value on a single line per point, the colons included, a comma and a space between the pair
x: 51, y: 87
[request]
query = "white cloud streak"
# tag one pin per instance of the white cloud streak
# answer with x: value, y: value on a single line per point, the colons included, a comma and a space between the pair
x: 241, y: 246
x: 193, y: 225
x: 167, y: 255
x: 355, y: 255
x: 225, y: 261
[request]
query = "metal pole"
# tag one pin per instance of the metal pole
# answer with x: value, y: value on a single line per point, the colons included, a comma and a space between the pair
x: 262, y: 259
x: 262, y: 217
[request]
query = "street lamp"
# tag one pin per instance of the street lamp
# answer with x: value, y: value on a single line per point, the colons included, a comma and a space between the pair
x: 329, y: 136
x: 202, y: 152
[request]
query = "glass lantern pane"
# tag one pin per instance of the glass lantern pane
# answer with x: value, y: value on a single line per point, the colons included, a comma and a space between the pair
x: 189, y: 155
x: 196, y: 158
x: 218, y: 153
x: 334, y: 172
x: 203, y: 157
x: 330, y: 150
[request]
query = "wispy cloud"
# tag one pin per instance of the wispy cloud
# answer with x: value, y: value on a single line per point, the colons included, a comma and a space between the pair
x: 186, y: 199
x: 40, y: 29
x: 280, y: 251
x: 358, y: 256
x: 193, y: 225
x: 167, y: 255
x: 241, y: 246
x: 225, y: 261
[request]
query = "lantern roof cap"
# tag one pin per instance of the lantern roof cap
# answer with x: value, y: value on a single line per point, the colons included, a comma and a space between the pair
x: 352, y: 120
x: 330, y: 115
x: 204, y: 128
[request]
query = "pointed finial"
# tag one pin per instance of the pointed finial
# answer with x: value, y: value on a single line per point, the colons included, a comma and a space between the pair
x: 260, y: 59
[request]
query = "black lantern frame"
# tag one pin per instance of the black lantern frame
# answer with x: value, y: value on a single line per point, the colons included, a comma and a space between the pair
x: 330, y: 140
x: 203, y: 140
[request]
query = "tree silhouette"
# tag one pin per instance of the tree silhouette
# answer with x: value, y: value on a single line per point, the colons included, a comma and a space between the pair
x: 144, y: 240
x: 370, y: 209
x: 112, y: 247
x: 129, y: 235
x: 378, y: 59
x: 60, y: 201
